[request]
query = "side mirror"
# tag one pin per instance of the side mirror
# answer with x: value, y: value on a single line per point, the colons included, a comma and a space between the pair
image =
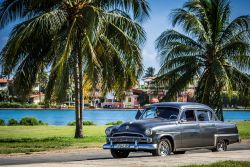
x: 138, y: 114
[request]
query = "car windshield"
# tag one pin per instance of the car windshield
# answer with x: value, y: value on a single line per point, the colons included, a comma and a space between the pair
x: 161, y: 112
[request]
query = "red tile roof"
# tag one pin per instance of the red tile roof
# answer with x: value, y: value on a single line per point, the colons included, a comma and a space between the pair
x: 3, y: 80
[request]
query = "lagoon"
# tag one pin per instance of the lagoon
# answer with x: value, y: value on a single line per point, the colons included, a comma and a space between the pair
x: 99, y: 117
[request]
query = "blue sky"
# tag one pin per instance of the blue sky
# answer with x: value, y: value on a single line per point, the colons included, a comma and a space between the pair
x: 159, y: 21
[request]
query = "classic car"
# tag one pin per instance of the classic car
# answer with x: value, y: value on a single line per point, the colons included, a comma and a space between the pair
x: 164, y: 128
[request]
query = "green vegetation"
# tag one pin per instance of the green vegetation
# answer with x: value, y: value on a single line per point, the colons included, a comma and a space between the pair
x: 93, y: 40
x: 150, y: 72
x: 31, y: 121
x: 17, y: 105
x: 224, y: 164
x: 212, y: 50
x: 13, y: 122
x: 26, y: 121
x: 244, y: 129
x: 2, y: 123
x: 25, y: 139
x: 114, y: 123
x: 87, y: 123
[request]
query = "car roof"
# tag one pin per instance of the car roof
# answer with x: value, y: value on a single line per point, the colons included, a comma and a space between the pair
x: 182, y: 105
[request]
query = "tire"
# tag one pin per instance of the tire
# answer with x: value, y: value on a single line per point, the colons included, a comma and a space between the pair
x: 119, y: 153
x: 221, y: 145
x: 164, y: 148
x: 179, y: 152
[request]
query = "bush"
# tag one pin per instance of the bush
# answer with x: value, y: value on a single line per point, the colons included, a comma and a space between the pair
x: 17, y: 105
x: 73, y: 123
x: 31, y: 121
x: 10, y: 105
x: 12, y: 122
x: 87, y: 123
x: 2, y: 122
x: 42, y: 123
x: 115, y: 123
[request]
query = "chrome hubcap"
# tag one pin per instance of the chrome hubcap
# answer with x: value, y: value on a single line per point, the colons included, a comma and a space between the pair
x: 164, y: 148
x: 221, y: 146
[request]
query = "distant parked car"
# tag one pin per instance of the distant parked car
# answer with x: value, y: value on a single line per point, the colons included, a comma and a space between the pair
x: 163, y: 128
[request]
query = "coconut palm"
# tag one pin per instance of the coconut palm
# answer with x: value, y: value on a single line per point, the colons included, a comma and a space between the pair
x: 212, y: 50
x: 150, y: 72
x: 73, y: 38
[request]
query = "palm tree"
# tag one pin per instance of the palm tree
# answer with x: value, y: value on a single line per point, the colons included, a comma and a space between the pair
x: 213, y: 49
x: 150, y: 72
x: 73, y: 38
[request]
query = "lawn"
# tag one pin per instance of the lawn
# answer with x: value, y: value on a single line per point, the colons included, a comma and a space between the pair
x: 224, y: 164
x: 244, y: 129
x: 26, y: 139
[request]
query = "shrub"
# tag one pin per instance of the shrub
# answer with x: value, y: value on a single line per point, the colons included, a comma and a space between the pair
x: 12, y: 122
x: 10, y: 105
x: 2, y: 122
x: 42, y: 123
x: 29, y: 121
x: 73, y: 123
x: 114, y: 123
x: 17, y: 105
x: 87, y: 123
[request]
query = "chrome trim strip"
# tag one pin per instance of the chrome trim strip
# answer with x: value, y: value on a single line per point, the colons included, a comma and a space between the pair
x: 194, y: 148
x: 132, y: 146
x: 224, y: 135
x: 127, y: 133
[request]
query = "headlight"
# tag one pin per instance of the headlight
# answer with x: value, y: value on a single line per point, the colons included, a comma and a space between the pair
x: 108, y: 131
x: 148, y: 132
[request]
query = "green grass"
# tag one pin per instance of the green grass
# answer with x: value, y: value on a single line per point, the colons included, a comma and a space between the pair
x: 26, y: 139
x: 224, y: 164
x: 244, y: 129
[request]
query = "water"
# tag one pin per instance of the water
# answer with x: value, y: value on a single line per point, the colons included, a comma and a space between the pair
x: 99, y: 117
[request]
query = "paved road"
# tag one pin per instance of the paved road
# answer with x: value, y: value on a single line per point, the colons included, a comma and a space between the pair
x: 99, y: 157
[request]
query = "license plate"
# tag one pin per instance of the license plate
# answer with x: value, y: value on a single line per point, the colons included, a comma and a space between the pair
x: 122, y: 145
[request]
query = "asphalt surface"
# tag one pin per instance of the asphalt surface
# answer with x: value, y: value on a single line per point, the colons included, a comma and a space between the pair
x: 99, y: 157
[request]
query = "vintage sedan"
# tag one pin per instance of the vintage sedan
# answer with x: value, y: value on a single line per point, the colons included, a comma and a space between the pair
x: 164, y: 128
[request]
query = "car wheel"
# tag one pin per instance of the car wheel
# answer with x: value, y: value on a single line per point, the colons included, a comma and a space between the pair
x: 119, y: 153
x: 163, y: 148
x: 179, y: 152
x: 221, y: 145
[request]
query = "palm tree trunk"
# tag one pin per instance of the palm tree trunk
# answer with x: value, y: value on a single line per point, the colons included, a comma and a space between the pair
x: 80, y: 93
x: 78, y: 130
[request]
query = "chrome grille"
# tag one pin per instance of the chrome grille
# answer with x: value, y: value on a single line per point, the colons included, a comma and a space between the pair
x: 128, y: 137
x: 127, y: 134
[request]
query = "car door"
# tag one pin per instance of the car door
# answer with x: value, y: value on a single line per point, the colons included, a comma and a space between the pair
x: 207, y: 127
x: 190, y: 129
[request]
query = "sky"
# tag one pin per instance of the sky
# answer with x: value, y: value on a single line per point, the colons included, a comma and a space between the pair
x: 158, y: 22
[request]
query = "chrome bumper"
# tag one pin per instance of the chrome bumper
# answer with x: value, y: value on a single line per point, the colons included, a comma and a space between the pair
x: 131, y: 146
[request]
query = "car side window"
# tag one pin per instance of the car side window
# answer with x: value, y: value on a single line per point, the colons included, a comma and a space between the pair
x: 212, y: 116
x: 188, y: 115
x: 203, y: 115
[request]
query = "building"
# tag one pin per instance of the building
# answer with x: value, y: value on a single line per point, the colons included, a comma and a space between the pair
x: 130, y: 100
x: 4, y: 84
x: 37, y: 98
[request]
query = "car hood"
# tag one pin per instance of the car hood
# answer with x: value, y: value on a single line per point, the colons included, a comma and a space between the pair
x: 142, y: 125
